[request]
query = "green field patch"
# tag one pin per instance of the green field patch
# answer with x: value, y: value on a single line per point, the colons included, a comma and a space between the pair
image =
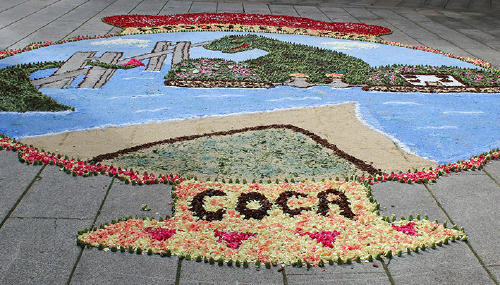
x: 19, y: 95
x: 259, y: 154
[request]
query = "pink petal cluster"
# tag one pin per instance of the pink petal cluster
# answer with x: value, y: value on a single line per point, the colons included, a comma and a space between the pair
x: 326, y: 238
x: 160, y: 234
x: 32, y: 155
x: 232, y: 239
x: 134, y: 62
x: 407, y: 229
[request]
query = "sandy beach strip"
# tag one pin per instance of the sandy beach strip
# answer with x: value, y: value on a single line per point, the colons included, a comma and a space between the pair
x: 337, y: 124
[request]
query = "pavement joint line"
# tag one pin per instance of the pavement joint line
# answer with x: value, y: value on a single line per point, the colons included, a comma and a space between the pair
x: 178, y: 271
x: 30, y: 14
x: 93, y: 224
x: 324, y: 14
x: 13, y: 208
x: 88, y: 20
x: 426, y: 30
x: 465, y: 35
x: 127, y: 14
x: 387, y: 272
x: 357, y: 19
x: 285, y: 279
x: 14, y: 6
x: 400, y: 30
x: 491, y: 177
x: 190, y: 6
x: 48, y: 23
x: 466, y: 242
x: 48, y: 218
x: 159, y: 11
x: 295, y: 9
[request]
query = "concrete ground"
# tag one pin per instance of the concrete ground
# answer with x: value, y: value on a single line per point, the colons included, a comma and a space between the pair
x: 42, y: 208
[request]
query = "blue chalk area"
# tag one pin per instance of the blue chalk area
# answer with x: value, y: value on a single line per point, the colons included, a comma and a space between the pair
x: 441, y: 127
x: 42, y: 73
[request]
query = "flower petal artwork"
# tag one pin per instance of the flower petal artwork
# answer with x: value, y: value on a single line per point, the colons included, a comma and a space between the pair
x: 243, y: 115
x: 335, y: 221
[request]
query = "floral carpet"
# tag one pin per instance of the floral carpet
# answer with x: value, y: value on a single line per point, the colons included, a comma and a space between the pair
x: 273, y: 193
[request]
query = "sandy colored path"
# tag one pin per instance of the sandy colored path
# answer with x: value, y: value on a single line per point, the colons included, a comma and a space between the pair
x: 337, y: 124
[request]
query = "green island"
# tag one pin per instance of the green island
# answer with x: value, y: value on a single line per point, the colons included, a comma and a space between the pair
x: 272, y: 153
x: 19, y: 95
x: 281, y: 60
x: 285, y: 59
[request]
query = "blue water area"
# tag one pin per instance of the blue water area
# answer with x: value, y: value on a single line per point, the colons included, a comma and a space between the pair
x: 441, y: 127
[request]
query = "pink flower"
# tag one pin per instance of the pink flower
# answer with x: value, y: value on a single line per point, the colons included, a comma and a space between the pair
x: 160, y: 234
x: 407, y: 229
x: 326, y: 238
x: 135, y: 62
x: 233, y: 239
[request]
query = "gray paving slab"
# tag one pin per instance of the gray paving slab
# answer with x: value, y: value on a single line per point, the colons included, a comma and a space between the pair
x: 495, y: 270
x: 100, y: 267
x: 283, y: 10
x: 95, y: 25
x: 485, y: 38
x: 362, y: 14
x: 230, y: 7
x: 450, y: 264
x: 412, y: 3
x: 59, y: 195
x: 435, y: 3
x: 38, y: 251
x: 11, y: 16
x: 65, y: 25
x: 362, y: 273
x: 338, y: 14
x: 149, y: 7
x: 493, y: 169
x: 204, y: 273
x: 7, y: 5
x: 256, y: 8
x: 311, y: 12
x: 175, y: 7
x: 203, y: 7
x: 14, y: 179
x: 469, y: 45
x: 479, y: 4
x: 29, y: 25
x: 401, y: 199
x: 387, y: 3
x: 471, y: 200
x: 126, y: 200
x: 457, y: 4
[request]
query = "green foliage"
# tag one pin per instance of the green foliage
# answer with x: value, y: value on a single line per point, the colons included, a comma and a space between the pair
x: 275, y: 153
x: 19, y: 95
x: 285, y: 58
x: 391, y: 75
x: 211, y: 69
x: 110, y: 65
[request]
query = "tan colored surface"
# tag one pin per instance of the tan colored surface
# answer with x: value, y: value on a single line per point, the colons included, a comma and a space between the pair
x: 337, y: 124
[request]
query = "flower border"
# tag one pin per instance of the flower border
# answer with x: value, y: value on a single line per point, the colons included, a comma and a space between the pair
x: 148, y: 235
x: 302, y: 26
x: 219, y: 22
x: 33, y: 156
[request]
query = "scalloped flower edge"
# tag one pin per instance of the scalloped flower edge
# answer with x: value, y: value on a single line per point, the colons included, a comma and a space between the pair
x: 297, y: 239
x: 307, y: 30
x: 33, y: 156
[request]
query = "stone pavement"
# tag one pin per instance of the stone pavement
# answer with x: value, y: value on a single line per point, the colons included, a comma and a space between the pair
x: 42, y: 208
